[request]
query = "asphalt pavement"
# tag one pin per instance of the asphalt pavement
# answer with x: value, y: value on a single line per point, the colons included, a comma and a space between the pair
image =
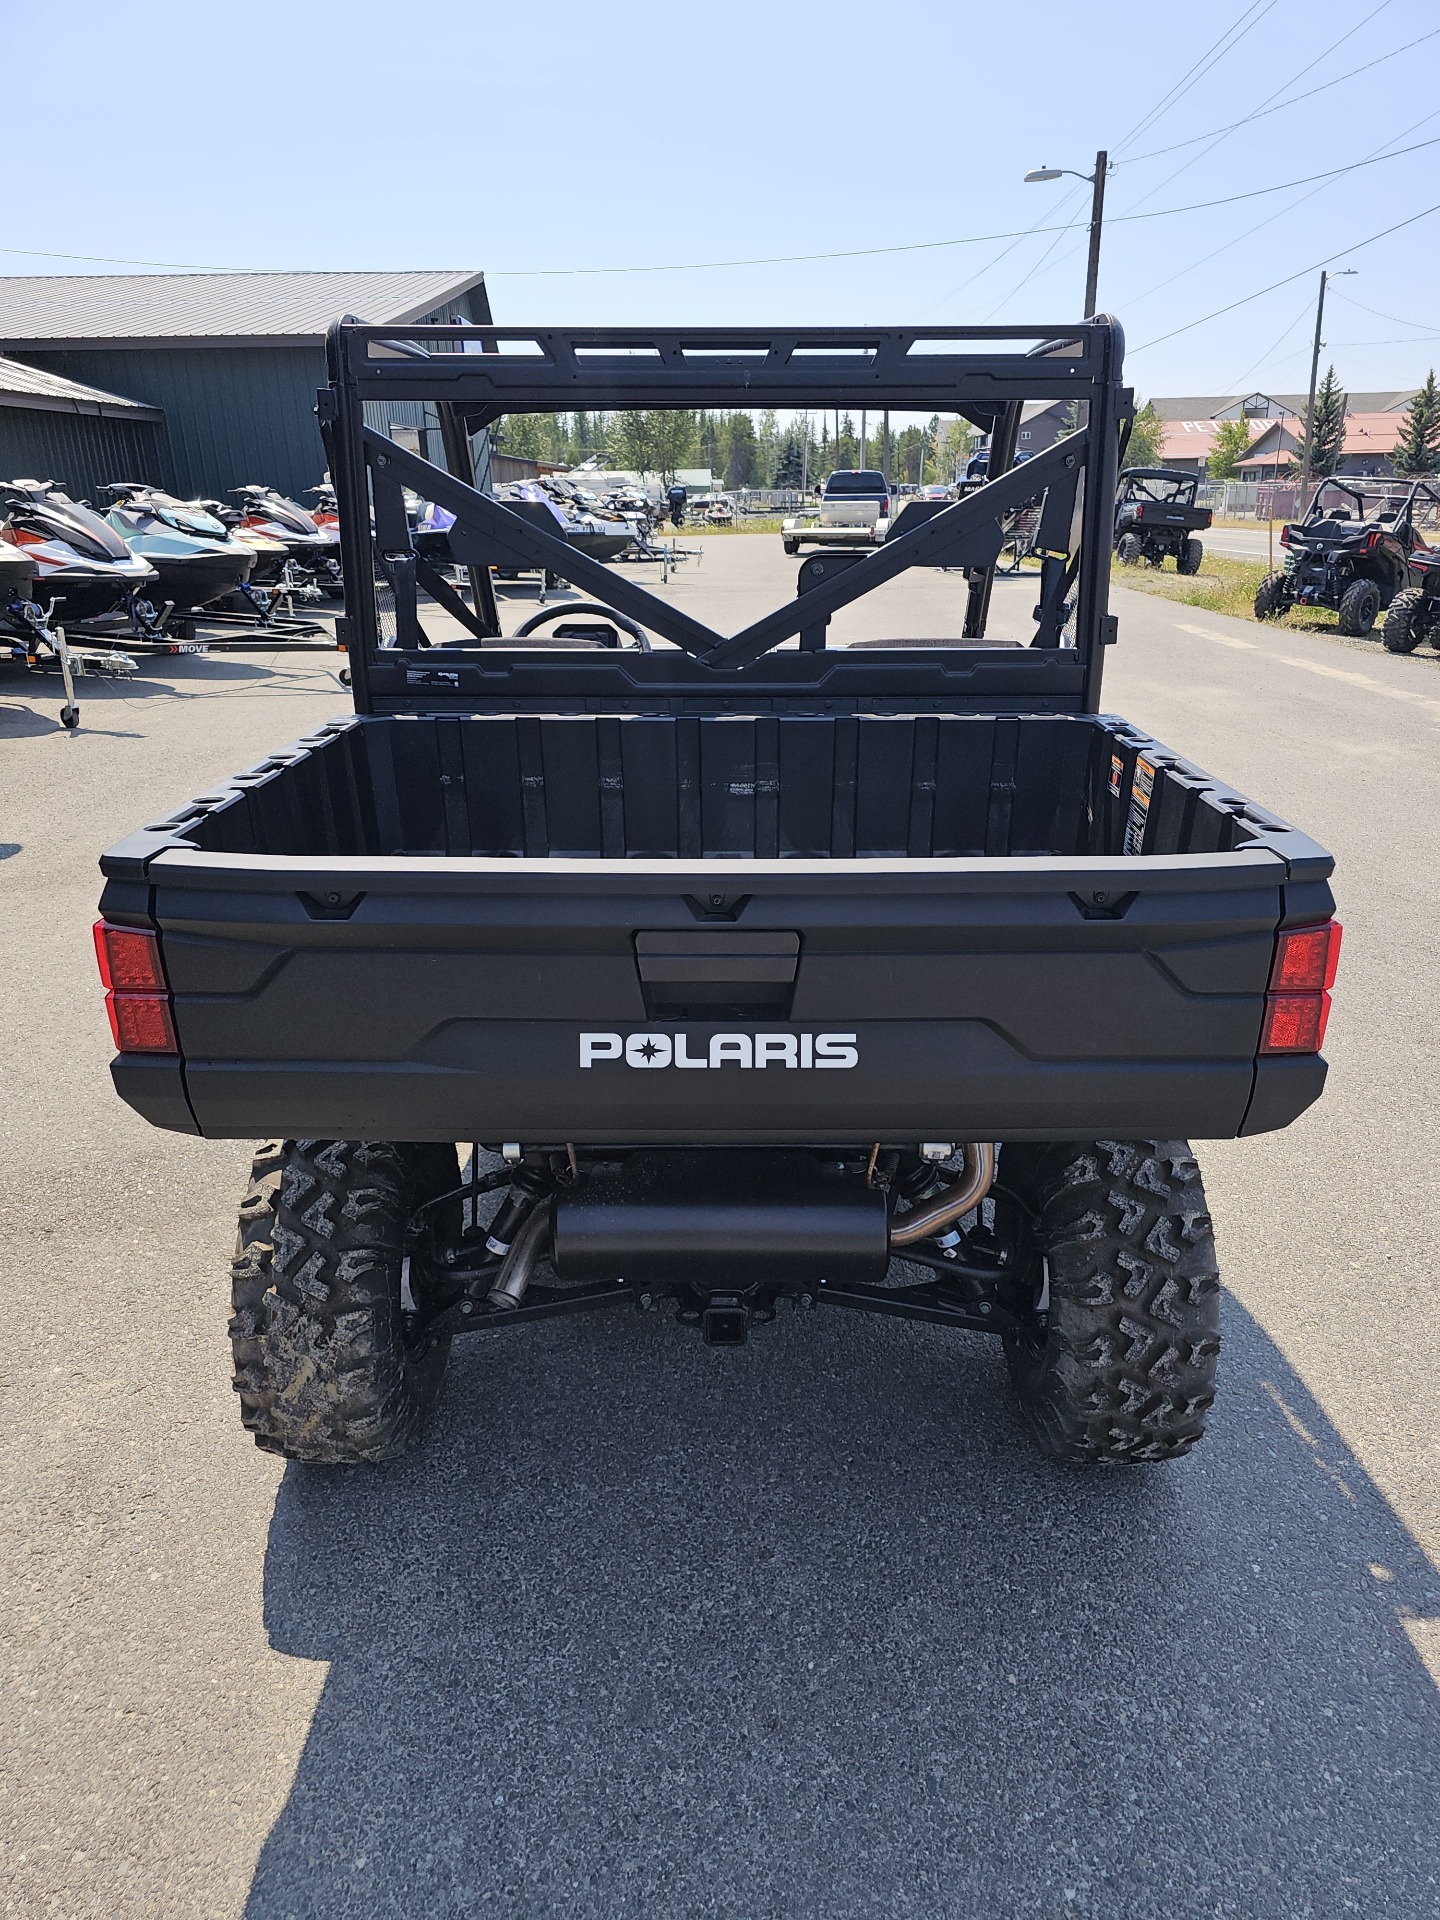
x: 801, y: 1629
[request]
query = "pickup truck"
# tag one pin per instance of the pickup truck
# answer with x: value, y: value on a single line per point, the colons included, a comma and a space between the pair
x: 621, y: 961
x: 854, y: 510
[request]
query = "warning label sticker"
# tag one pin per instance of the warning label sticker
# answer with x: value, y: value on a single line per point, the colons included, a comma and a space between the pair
x: 1141, y: 789
x: 1117, y: 774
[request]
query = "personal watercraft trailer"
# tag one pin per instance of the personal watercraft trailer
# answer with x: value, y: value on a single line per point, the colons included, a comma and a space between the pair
x: 889, y: 977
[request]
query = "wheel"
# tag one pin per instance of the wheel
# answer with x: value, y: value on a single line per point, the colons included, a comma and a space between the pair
x: 1130, y: 549
x: 325, y: 1366
x: 69, y: 716
x: 1404, y: 629
x: 1359, y: 605
x: 345, y: 676
x: 1270, y: 596
x: 1188, y: 559
x: 1117, y: 1361
x: 791, y: 546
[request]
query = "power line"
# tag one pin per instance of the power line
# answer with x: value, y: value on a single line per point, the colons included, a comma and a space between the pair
x: 1231, y: 37
x: 1350, y: 301
x: 1341, y: 253
x: 1378, y: 154
x: 1264, y: 112
x: 1195, y: 159
x: 1226, y: 200
x: 1273, y: 349
x: 850, y: 253
x: 1195, y: 74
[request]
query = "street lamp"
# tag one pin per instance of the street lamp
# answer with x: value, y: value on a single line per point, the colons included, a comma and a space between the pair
x: 1314, y: 370
x: 1096, y: 181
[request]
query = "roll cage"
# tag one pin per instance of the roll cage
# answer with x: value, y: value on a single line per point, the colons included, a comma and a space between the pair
x: 474, y: 376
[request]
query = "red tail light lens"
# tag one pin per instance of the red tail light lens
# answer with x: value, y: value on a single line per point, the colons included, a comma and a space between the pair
x: 1284, y: 536
x: 1297, y: 1005
x: 141, y: 1022
x: 129, y: 959
x: 1306, y: 958
x: 1294, y: 1022
x: 137, y: 996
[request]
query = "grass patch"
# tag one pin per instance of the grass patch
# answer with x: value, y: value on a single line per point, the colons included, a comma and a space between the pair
x: 766, y: 523
x: 1224, y: 586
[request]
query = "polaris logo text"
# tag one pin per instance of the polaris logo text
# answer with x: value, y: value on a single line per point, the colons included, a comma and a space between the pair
x: 744, y: 1050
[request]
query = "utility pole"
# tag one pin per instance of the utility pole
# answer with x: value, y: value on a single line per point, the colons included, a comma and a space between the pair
x: 864, y: 433
x: 1314, y: 372
x: 885, y: 448
x: 1097, y: 214
x: 1096, y: 182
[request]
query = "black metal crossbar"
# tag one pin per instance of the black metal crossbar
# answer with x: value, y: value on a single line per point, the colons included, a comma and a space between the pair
x: 476, y: 375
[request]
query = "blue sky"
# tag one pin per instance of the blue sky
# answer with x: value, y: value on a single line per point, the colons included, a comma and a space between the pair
x: 569, y: 136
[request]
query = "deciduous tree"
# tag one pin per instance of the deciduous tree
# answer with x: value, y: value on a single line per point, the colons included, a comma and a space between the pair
x: 1232, y: 443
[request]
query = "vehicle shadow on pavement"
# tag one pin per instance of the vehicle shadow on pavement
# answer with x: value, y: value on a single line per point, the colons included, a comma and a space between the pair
x: 807, y: 1629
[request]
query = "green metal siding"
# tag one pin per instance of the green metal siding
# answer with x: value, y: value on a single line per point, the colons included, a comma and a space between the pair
x: 232, y: 414
x: 79, y: 451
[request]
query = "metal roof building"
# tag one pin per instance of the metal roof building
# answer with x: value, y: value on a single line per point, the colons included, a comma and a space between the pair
x: 223, y: 367
x: 53, y: 428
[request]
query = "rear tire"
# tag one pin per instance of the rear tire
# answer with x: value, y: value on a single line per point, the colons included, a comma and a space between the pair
x: 1270, y: 596
x: 1359, y: 606
x: 1188, y: 559
x: 1129, y: 550
x: 325, y: 1366
x: 1120, y: 1366
x: 791, y: 546
x: 1404, y: 629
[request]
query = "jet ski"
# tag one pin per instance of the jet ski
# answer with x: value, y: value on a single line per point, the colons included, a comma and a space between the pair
x: 315, y: 550
x: 189, y: 549
x: 17, y: 575
x: 79, y: 560
x: 326, y: 511
x: 269, y: 556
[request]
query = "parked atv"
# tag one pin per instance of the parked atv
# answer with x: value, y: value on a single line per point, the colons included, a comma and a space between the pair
x: 1156, y: 517
x: 1414, y: 614
x: 1351, y: 552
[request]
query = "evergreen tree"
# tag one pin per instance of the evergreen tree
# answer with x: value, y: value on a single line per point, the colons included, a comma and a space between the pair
x: 790, y: 461
x: 1417, y: 451
x: 1327, y: 430
x: 1232, y: 443
x: 739, y: 458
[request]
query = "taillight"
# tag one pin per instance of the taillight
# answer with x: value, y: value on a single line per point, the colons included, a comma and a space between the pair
x: 137, y: 994
x: 1372, y: 540
x: 1284, y: 536
x: 1139, y: 513
x: 1297, y: 1001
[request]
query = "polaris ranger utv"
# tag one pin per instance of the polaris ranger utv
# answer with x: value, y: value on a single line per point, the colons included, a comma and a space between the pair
x: 1156, y: 518
x: 744, y: 974
x: 1351, y: 552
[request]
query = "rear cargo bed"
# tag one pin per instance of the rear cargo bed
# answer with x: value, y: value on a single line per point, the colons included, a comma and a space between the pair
x: 1013, y: 926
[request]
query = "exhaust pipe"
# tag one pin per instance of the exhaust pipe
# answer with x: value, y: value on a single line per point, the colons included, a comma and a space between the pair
x: 526, y: 1248
x: 976, y: 1179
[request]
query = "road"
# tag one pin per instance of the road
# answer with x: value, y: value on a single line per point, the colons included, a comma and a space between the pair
x: 801, y: 1629
x: 1243, y: 543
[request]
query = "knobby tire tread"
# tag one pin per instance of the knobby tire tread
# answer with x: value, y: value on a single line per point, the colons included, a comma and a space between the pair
x: 323, y: 1367
x: 1123, y: 1368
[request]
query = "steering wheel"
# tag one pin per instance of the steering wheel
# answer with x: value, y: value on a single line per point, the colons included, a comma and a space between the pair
x: 537, y: 620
